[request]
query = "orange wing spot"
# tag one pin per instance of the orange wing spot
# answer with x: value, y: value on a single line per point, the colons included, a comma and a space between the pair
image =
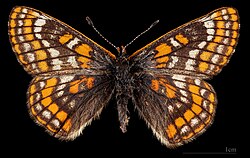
x: 13, y: 16
x: 194, y: 89
x: 197, y: 99
x: 198, y: 129
x: 33, y: 111
x: 84, y: 62
x: 43, y: 66
x: 36, y: 45
x: 46, y: 101
x: 220, y: 24
x: 170, y: 91
x: 171, y: 131
x: 65, y: 38
x: 32, y: 89
x: 12, y: 32
x: 53, y: 108
x: 233, y: 42
x: 27, y: 22
x: 51, y: 82
x: 207, y: 86
x: 30, y: 16
x: 205, y: 56
x: 41, y: 55
x: 162, y: 59
x: 31, y: 100
x: 229, y: 51
x: 212, y: 46
x: 218, y: 18
x: 224, y: 61
x: 211, y: 97
x: 208, y: 120
x: 235, y: 26
x: 234, y: 17
x: 203, y: 66
x: 51, y: 129
x: 29, y: 37
x: 22, y: 59
x: 182, y: 39
x: 12, y: 23
x: 179, y: 122
x: 234, y: 34
x: 16, y: 49
x: 90, y: 82
x: 211, y: 108
x: 218, y: 39
x: 27, y: 30
x: 47, y: 91
x: 188, y: 136
x: 75, y: 86
x: 161, y: 66
x: 220, y: 32
x: 84, y: 50
x: 41, y: 120
x: 155, y: 85
x: 196, y: 109
x: 231, y: 11
x: 163, y: 49
x: 66, y: 127
x: 188, y: 115
x: 17, y: 9
x: 61, y: 115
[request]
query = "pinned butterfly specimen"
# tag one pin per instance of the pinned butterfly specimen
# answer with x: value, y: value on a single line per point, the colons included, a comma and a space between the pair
x: 74, y: 78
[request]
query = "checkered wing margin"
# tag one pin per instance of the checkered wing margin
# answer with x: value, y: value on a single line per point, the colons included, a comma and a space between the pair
x: 44, y: 44
x: 199, y: 48
x: 174, y: 100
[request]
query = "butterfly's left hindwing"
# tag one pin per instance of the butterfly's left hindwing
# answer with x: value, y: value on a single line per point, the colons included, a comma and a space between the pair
x: 65, y: 104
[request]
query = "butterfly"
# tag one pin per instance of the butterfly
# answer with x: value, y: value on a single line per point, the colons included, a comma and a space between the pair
x: 74, y: 78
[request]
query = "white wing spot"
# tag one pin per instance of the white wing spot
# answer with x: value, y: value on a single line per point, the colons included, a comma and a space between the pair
x: 193, y: 53
x: 45, y: 43
x: 194, y: 121
x: 209, y: 24
x: 46, y: 114
x: 73, y: 62
x: 40, y: 22
x: 53, y: 52
x: 37, y: 29
x: 73, y: 42
x: 30, y: 57
x: 174, y: 42
x: 66, y: 78
x: 202, y: 44
x: 55, y: 122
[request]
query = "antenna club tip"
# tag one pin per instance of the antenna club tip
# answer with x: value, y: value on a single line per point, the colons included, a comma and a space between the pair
x: 157, y: 21
x: 89, y: 21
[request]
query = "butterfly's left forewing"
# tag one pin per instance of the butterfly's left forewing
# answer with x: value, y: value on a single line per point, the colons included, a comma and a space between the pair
x: 171, y: 95
x: 44, y: 44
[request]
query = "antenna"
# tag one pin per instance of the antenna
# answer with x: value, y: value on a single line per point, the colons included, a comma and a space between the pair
x: 152, y: 25
x: 92, y: 25
x: 117, y: 48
